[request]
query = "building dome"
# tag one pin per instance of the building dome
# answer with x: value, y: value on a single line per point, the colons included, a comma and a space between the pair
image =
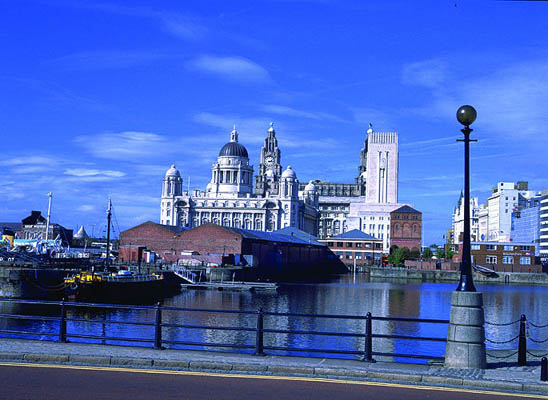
x: 289, y: 173
x: 310, y: 187
x: 233, y: 149
x: 172, y: 171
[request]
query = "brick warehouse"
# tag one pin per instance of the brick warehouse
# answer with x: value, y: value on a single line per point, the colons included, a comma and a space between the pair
x: 271, y: 250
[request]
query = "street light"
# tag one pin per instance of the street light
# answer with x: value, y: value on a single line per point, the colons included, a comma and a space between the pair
x: 466, y: 115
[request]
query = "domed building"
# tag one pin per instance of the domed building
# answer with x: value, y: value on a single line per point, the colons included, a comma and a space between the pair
x: 229, y: 199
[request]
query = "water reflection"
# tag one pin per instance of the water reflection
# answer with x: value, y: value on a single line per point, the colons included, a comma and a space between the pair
x: 342, y: 296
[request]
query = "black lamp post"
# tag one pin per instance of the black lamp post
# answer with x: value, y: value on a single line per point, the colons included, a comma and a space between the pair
x: 466, y: 115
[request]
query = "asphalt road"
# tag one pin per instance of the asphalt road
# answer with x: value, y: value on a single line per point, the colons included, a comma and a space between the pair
x: 30, y: 381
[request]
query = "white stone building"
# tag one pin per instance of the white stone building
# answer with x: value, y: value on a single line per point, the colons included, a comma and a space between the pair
x: 458, y: 220
x: 229, y: 199
x: 370, y: 212
x: 504, y: 200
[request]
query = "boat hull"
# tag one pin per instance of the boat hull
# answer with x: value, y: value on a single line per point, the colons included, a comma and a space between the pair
x: 138, y: 292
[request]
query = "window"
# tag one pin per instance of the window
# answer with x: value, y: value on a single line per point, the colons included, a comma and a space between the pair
x: 396, y: 227
x: 340, y: 244
x: 348, y: 244
x: 340, y: 254
x: 358, y: 245
x: 349, y: 256
x: 508, y: 248
x: 329, y: 244
x: 522, y: 248
x: 507, y: 260
x: 358, y: 256
x: 525, y: 260
x: 475, y: 247
x: 491, y: 259
x: 491, y: 247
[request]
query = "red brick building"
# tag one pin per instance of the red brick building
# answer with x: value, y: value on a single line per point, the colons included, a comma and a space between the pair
x: 237, y: 246
x: 355, y: 248
x: 406, y: 228
x: 500, y: 256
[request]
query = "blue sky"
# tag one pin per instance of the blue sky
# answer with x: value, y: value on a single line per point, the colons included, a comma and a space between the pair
x: 97, y: 99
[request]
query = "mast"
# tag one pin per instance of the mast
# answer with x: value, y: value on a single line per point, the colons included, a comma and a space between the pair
x: 109, y: 215
x: 49, y: 215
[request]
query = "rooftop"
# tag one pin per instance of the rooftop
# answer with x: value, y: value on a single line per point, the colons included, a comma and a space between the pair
x: 355, y: 234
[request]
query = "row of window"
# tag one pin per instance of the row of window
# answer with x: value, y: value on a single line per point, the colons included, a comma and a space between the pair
x: 507, y: 260
x: 358, y: 256
x: 414, y: 217
x: 358, y: 245
x: 494, y: 247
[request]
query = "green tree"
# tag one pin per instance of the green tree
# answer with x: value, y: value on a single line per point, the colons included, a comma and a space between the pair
x: 440, y: 253
x: 427, y: 253
x: 398, y: 256
x: 449, y: 254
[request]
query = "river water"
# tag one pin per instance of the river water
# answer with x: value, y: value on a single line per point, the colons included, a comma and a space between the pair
x: 345, y: 294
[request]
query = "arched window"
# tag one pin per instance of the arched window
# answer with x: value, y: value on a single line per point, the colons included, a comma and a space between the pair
x: 396, y: 227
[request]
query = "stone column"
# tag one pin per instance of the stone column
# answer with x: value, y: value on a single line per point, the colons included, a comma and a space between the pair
x: 466, y: 336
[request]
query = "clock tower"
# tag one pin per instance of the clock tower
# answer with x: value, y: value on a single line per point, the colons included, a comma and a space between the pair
x: 270, y: 170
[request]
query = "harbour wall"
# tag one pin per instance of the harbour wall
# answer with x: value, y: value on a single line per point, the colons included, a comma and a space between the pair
x: 454, y: 276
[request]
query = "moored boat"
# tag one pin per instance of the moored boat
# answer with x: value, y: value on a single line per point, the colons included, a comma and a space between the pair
x: 121, y: 287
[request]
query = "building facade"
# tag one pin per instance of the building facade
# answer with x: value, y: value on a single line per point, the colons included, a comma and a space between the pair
x: 229, y: 199
x: 501, y: 256
x: 543, y: 235
x: 366, y: 204
x: 505, y: 199
x: 406, y: 228
x: 458, y: 220
x: 356, y: 248
x: 526, y: 223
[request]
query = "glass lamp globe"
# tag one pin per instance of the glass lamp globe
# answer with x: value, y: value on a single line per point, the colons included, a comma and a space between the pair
x: 466, y: 115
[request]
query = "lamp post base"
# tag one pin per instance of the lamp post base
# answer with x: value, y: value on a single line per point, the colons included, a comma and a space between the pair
x: 466, y: 335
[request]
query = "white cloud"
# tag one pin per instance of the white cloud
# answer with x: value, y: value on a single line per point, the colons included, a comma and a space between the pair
x: 84, y: 172
x: 86, y: 208
x: 32, y: 160
x: 428, y: 73
x: 129, y: 146
x: 231, y: 68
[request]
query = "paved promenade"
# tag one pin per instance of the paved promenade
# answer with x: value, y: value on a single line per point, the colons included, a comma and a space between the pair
x: 499, y: 376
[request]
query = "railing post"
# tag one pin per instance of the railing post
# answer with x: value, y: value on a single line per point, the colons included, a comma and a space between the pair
x: 522, y: 345
x: 544, y: 369
x: 63, y: 323
x: 259, y: 347
x: 368, y: 346
x: 158, y: 327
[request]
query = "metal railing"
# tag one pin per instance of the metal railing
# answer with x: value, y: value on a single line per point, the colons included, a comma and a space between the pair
x: 522, y: 337
x: 367, y: 336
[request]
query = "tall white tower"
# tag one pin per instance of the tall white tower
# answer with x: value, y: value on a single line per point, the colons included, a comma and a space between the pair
x: 382, y: 167
x: 171, y: 188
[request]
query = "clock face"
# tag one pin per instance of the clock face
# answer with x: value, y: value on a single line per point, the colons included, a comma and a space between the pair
x: 269, y: 160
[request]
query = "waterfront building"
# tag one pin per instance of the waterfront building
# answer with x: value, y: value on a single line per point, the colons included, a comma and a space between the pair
x: 229, y: 199
x: 543, y: 236
x: 526, y: 223
x: 458, y: 220
x: 34, y: 227
x: 405, y: 228
x: 231, y: 245
x: 365, y: 205
x: 505, y: 199
x: 355, y: 247
x: 501, y: 256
